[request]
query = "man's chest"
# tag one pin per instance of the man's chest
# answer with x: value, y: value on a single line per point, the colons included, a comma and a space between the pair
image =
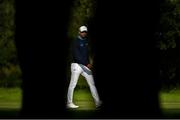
x: 83, y: 44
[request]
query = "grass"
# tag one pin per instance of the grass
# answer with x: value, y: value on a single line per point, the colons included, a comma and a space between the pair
x: 10, y: 102
x: 83, y: 98
x: 10, y: 98
x: 170, y: 103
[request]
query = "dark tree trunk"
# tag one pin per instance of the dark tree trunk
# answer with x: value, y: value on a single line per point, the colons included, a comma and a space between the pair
x: 42, y: 50
x: 126, y: 59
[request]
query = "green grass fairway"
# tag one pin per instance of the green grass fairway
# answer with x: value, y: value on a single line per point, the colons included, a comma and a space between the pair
x: 10, y: 98
x: 10, y: 102
x: 170, y: 103
x: 84, y: 100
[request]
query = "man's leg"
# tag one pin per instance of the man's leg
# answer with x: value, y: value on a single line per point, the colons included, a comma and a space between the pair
x: 90, y: 80
x: 75, y: 72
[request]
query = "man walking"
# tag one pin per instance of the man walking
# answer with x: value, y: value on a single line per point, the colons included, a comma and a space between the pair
x: 81, y: 65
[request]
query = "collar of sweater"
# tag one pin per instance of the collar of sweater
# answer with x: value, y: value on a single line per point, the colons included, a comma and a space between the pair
x: 81, y: 38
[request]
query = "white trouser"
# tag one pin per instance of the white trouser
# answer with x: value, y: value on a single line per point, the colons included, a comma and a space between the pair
x: 76, y: 70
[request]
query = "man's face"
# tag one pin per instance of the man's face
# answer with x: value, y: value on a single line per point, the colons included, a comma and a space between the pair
x: 83, y: 34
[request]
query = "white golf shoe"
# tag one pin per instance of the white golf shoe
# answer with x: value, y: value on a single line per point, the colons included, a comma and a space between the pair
x: 99, y: 105
x: 72, y: 105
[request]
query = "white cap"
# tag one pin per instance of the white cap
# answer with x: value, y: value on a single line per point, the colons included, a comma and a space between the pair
x: 83, y: 28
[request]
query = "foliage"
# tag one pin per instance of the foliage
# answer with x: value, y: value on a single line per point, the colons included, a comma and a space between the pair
x: 82, y: 12
x: 170, y: 24
x: 10, y: 76
x: 169, y: 43
x: 10, y: 73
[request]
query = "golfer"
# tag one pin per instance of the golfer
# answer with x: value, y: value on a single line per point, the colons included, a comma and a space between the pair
x: 81, y: 65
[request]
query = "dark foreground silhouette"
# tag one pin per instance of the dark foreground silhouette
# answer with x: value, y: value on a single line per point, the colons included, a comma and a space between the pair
x: 126, y: 60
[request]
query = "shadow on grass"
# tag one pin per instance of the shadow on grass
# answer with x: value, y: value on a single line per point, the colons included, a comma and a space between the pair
x: 9, y: 113
x: 86, y: 114
x: 15, y: 114
x: 83, y: 114
x: 171, y: 113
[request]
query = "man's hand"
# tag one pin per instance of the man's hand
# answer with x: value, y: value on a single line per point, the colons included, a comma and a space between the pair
x: 89, y: 66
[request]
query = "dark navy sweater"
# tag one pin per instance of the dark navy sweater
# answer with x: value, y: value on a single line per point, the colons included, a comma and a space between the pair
x: 80, y: 51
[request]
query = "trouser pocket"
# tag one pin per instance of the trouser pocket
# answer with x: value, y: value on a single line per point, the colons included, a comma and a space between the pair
x: 75, y: 68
